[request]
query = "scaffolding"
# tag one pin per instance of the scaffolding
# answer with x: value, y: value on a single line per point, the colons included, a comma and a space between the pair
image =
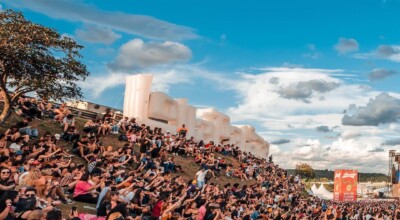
x: 393, y: 159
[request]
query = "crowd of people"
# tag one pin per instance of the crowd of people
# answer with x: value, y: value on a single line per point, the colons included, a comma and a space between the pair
x: 138, y: 178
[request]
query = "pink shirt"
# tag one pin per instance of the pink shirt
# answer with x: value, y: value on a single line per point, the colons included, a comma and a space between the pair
x: 81, y: 188
x: 202, y: 213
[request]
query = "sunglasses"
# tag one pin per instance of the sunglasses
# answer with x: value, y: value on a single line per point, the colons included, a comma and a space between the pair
x: 30, y: 195
x: 4, y: 172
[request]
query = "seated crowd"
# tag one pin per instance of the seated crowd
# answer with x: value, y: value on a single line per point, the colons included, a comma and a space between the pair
x: 139, y: 178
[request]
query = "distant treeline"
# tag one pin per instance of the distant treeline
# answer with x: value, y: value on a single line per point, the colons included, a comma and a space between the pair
x: 327, y: 175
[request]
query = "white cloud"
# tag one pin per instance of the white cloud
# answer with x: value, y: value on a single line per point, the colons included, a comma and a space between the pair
x: 340, y: 154
x: 388, y: 52
x: 279, y: 118
x: 346, y: 45
x: 97, y: 84
x: 138, y: 54
x: 269, y: 103
x: 350, y: 134
x: 162, y: 80
x: 96, y: 34
x: 379, y: 74
x: 380, y: 110
x: 77, y: 11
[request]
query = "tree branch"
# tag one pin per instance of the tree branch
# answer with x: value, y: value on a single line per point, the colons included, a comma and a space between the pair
x: 17, y: 94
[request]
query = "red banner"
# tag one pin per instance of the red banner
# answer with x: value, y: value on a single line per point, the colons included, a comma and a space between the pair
x: 345, y: 185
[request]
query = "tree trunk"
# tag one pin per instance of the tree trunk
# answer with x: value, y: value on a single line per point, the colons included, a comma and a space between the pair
x: 6, y: 107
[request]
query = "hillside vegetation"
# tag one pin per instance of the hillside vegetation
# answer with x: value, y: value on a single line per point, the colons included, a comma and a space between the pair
x: 327, y: 175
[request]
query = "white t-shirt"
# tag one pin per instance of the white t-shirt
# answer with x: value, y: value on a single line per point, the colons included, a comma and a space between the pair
x: 201, y: 176
x: 15, y: 147
x: 68, y: 121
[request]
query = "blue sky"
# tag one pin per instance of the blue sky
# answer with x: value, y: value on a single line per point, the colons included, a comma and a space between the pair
x: 318, y: 79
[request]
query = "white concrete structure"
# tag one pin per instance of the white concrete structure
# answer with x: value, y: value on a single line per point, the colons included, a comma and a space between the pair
x: 157, y: 109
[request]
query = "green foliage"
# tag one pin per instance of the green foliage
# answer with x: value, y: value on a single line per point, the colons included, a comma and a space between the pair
x: 34, y: 58
x: 327, y: 175
x: 305, y: 171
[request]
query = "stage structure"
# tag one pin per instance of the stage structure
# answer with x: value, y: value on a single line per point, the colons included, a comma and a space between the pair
x: 157, y: 109
x: 345, y: 185
x: 394, y: 174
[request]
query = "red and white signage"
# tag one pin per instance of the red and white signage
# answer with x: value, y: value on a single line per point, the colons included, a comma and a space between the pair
x: 345, y: 185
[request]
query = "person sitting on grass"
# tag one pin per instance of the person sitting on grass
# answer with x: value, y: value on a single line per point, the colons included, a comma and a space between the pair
x: 83, y: 190
x: 68, y: 121
x: 123, y: 124
x: 90, y: 128
x: 26, y: 130
x: 104, y: 128
x: 61, y: 112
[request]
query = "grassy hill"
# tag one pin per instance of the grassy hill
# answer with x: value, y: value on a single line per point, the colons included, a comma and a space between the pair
x: 188, y: 165
x: 363, y: 177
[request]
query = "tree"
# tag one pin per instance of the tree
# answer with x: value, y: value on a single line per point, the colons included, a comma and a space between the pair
x: 34, y: 58
x: 305, y: 170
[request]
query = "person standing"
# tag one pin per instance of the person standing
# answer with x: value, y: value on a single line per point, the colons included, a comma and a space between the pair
x: 201, y: 177
x: 182, y: 131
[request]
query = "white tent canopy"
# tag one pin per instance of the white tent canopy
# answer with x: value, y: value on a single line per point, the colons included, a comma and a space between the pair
x: 321, y: 192
x: 313, y: 188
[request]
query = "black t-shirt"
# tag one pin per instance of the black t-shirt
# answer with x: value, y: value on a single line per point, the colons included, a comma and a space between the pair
x: 222, y: 205
x: 27, y: 104
x: 22, y: 124
x: 155, y: 152
x: 26, y: 153
x: 107, y: 117
x: 211, y: 216
x: 102, y: 210
x: 183, y: 132
x: 4, y: 182
x: 96, y: 170
x: 144, y: 146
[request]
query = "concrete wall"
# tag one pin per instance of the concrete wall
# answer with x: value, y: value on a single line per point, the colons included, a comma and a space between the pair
x: 157, y: 109
x: 88, y: 106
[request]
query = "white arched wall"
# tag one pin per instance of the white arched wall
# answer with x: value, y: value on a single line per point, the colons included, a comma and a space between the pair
x: 157, y: 109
